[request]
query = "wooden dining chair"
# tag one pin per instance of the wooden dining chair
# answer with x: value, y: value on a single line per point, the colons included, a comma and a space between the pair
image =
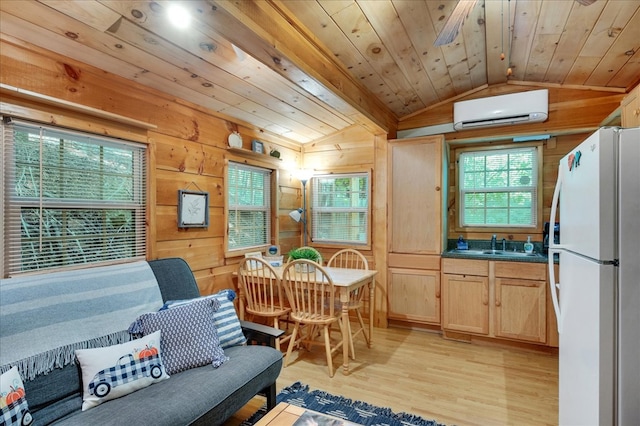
x: 311, y: 296
x: 263, y: 293
x: 352, y: 259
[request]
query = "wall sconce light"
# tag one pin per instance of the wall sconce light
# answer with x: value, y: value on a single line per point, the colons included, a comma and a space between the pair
x: 300, y: 214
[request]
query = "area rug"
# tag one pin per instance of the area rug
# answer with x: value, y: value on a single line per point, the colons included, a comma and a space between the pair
x: 343, y: 408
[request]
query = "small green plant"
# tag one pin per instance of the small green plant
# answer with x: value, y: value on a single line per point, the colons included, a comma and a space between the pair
x: 304, y: 253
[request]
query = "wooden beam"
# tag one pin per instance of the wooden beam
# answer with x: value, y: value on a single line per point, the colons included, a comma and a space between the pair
x: 266, y: 32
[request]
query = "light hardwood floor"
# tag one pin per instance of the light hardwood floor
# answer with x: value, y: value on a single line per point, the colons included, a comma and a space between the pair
x: 452, y: 382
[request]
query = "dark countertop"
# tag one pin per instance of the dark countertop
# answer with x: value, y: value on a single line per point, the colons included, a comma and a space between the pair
x: 473, y: 254
x: 476, y: 246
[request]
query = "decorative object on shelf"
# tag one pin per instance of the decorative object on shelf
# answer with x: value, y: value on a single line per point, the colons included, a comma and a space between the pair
x: 235, y: 140
x: 300, y: 214
x: 274, y: 153
x: 193, y: 208
x: 257, y: 146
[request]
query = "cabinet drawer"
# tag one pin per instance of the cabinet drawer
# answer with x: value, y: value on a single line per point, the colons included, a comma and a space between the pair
x: 522, y: 270
x: 465, y: 267
x: 414, y: 261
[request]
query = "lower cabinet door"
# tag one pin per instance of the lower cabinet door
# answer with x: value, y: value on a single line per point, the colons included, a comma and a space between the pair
x: 465, y: 301
x: 414, y: 295
x: 520, y: 309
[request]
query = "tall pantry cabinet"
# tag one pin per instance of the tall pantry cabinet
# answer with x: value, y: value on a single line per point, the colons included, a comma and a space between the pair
x: 415, y: 227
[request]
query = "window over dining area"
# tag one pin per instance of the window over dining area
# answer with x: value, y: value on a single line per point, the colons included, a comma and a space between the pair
x: 340, y: 208
x: 248, y: 206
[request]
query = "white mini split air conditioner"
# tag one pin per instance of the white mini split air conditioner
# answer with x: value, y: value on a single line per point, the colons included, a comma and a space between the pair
x: 504, y: 110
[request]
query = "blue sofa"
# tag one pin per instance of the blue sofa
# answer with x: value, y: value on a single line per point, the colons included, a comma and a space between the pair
x: 207, y: 395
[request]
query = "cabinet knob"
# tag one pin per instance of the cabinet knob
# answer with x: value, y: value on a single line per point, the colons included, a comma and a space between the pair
x: 438, y: 188
x: 636, y: 112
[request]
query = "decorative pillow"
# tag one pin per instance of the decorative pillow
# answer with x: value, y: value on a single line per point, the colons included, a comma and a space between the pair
x: 226, y: 318
x: 118, y: 370
x: 15, y: 410
x: 189, y: 337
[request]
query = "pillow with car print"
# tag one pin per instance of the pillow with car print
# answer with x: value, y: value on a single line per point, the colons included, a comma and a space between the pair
x: 14, y: 409
x: 118, y: 370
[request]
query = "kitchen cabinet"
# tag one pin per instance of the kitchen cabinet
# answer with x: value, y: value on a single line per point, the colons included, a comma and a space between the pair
x: 415, y: 191
x: 630, y: 106
x: 414, y: 295
x: 415, y: 231
x: 506, y: 300
x: 465, y: 295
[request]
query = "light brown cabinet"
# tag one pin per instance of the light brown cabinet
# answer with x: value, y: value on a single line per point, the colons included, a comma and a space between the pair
x: 495, y: 299
x: 415, y: 229
x: 630, y: 106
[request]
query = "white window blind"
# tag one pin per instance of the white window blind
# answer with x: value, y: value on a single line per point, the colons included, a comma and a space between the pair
x: 499, y: 188
x: 70, y: 198
x: 249, y: 206
x: 340, y: 208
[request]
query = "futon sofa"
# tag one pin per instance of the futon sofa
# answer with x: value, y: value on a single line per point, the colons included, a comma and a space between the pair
x: 200, y: 395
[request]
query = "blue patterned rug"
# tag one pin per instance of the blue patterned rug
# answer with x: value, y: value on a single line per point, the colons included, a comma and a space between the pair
x: 343, y: 408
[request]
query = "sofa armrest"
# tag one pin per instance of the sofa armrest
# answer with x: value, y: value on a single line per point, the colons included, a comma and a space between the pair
x: 258, y: 334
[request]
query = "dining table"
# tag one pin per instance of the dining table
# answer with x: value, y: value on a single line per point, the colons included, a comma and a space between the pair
x: 345, y: 281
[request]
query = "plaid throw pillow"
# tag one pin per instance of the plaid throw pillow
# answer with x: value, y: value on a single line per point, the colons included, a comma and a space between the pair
x: 14, y: 410
x: 226, y: 319
x: 189, y: 337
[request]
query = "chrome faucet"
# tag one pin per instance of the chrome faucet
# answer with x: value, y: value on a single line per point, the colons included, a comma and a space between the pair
x: 504, y: 245
x: 493, y: 242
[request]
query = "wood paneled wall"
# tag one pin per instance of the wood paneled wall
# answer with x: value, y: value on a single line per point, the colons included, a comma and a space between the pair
x: 187, y: 150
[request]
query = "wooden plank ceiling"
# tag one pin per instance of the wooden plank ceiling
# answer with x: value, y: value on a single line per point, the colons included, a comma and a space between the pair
x: 305, y: 69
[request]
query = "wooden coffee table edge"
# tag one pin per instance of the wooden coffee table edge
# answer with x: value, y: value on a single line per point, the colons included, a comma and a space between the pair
x: 283, y: 414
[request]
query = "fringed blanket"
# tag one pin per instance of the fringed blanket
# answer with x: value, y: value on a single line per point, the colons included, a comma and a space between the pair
x: 45, y: 318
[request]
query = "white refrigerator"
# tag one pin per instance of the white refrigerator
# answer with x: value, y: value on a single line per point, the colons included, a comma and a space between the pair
x: 596, y: 298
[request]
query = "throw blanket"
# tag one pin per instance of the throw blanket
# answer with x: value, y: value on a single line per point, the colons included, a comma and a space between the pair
x: 45, y: 318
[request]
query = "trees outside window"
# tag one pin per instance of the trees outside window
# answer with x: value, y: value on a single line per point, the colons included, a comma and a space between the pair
x: 71, y: 198
x: 249, y: 206
x: 340, y: 208
x: 498, y: 188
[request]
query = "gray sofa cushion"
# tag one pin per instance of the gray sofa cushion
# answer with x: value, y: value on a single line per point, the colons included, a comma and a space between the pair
x: 188, y: 397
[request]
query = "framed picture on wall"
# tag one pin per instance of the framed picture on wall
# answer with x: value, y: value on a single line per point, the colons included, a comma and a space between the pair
x: 257, y: 146
x: 193, y: 209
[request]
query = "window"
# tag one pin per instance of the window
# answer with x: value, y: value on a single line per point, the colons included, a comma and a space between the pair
x: 340, y: 208
x: 249, y: 208
x: 71, y: 198
x: 499, y: 188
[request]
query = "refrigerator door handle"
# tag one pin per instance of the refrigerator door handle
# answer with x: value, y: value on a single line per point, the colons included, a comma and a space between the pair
x: 553, y: 286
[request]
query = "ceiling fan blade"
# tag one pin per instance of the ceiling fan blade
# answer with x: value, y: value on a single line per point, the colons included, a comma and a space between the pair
x: 454, y: 23
x: 586, y: 2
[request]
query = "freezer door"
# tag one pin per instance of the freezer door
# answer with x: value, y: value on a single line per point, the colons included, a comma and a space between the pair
x: 587, y: 368
x: 588, y: 197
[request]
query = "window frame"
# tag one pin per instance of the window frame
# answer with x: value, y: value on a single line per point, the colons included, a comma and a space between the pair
x: 13, y: 203
x: 515, y: 229
x: 269, y: 185
x: 315, y: 210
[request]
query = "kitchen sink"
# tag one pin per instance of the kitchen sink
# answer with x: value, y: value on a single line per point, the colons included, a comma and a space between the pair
x: 500, y: 253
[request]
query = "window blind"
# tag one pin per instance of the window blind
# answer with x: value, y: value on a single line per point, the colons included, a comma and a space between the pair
x: 249, y: 206
x: 499, y: 187
x: 340, y: 208
x: 70, y: 198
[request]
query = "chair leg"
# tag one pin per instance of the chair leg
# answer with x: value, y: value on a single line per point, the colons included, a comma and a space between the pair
x: 292, y: 342
x: 366, y: 336
x: 352, y: 350
x: 275, y: 325
x: 327, y: 346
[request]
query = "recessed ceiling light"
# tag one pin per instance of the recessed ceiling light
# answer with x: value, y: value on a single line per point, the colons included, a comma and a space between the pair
x: 178, y: 16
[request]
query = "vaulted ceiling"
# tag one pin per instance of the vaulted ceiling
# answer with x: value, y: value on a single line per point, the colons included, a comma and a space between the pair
x: 305, y: 69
